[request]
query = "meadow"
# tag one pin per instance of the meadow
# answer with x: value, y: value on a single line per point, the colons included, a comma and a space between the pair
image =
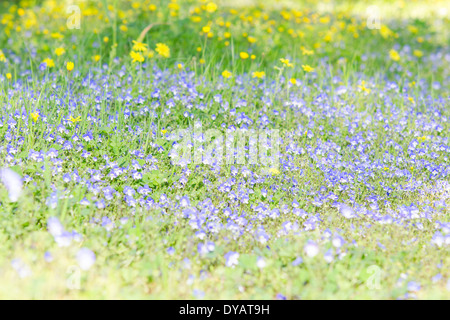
x: 196, y: 149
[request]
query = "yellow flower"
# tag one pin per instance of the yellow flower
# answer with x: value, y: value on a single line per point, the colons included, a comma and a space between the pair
x: 418, y: 53
x: 385, y: 31
x: 253, y: 57
x: 163, y: 50
x: 243, y: 55
x: 105, y: 39
x: 49, y: 62
x: 413, y: 29
x: 307, y: 68
x: 35, y: 116
x: 258, y: 74
x: 293, y: 81
x: 274, y: 171
x: 57, y: 35
x: 286, y: 63
x: 306, y: 52
x: 74, y: 120
x: 411, y: 99
x: 206, y: 29
x: 123, y: 28
x: 394, y: 55
x: 363, y: 87
x: 180, y: 66
x: 60, y: 51
x: 202, y: 61
x: 226, y: 74
x: 163, y: 131
x: 97, y: 58
x: 8, y: 76
x: 2, y: 56
x: 251, y: 39
x: 139, y: 46
x: 136, y: 56
x: 211, y: 7
x: 70, y: 66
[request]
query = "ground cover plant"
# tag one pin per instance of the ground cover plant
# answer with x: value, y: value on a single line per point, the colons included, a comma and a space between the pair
x: 120, y: 178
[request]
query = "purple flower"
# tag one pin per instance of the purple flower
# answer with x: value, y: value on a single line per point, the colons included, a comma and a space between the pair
x: 231, y: 259
x: 279, y: 296
x: 297, y: 262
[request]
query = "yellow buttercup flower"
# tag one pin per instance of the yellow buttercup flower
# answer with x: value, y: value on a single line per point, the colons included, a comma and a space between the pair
x: 57, y: 35
x: 251, y: 39
x: 307, y: 68
x: 35, y: 116
x: 394, y: 55
x: 274, y: 171
x: 49, y: 62
x: 8, y: 76
x: 60, y: 51
x: 163, y: 50
x: 136, y: 56
x: 286, y: 63
x: 363, y: 87
x: 293, y: 81
x: 74, y: 120
x: 70, y: 66
x: 211, y: 7
x: 258, y: 74
x: 418, y: 53
x: 306, y: 52
x: 139, y: 46
x: 226, y: 74
x: 2, y: 56
x: 243, y: 55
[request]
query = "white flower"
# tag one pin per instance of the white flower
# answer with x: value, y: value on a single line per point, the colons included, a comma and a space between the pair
x: 12, y: 182
x: 311, y: 249
x: 86, y: 258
